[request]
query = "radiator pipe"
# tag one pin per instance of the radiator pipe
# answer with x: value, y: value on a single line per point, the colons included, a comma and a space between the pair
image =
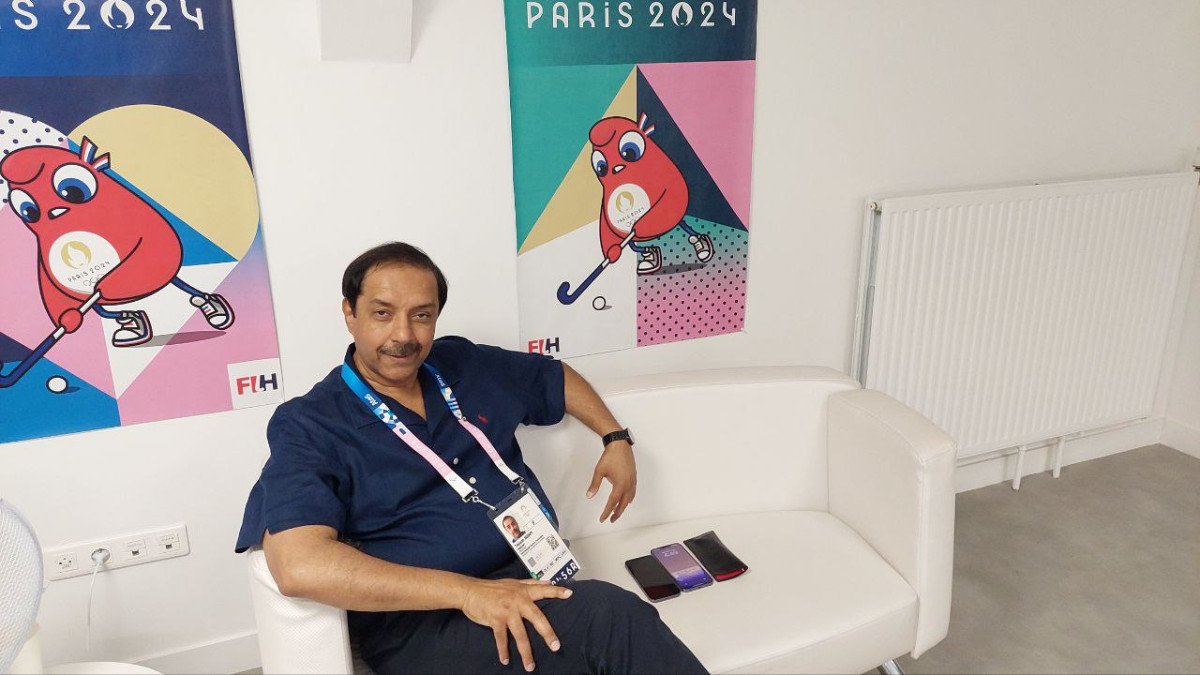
x: 1020, y: 465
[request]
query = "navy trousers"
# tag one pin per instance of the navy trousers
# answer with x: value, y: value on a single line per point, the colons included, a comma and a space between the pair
x: 602, y: 628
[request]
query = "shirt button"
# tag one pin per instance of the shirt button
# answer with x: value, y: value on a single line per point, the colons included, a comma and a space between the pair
x: 455, y: 460
x: 471, y: 480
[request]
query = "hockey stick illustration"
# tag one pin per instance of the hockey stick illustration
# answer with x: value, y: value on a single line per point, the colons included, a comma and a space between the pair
x: 566, y: 297
x: 36, y: 355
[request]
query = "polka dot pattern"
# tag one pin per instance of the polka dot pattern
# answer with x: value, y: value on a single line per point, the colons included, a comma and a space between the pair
x: 18, y: 131
x: 688, y: 299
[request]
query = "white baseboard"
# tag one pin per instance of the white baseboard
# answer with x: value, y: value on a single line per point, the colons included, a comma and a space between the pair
x: 1182, y: 437
x: 233, y: 654
x: 1040, y: 459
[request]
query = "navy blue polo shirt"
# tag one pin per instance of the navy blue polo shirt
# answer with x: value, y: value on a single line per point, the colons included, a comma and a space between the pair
x: 334, y: 463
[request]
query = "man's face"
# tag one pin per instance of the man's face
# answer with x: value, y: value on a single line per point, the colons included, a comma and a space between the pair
x: 393, y: 323
x: 510, y: 524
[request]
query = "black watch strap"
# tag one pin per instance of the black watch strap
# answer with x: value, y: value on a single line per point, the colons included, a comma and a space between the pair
x: 621, y: 435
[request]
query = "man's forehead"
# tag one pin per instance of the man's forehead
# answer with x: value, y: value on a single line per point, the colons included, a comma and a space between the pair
x: 390, y: 283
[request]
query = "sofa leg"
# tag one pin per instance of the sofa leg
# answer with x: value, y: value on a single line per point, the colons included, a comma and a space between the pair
x: 890, y: 668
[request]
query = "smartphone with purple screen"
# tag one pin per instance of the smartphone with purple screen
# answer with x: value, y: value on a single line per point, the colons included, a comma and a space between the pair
x: 683, y: 567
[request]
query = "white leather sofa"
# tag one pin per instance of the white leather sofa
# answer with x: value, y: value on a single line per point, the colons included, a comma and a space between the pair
x: 840, y: 500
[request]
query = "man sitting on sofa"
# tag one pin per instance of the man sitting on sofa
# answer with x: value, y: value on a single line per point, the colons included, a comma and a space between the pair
x: 355, y: 506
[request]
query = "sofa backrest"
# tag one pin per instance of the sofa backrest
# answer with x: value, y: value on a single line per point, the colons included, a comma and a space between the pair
x: 738, y: 440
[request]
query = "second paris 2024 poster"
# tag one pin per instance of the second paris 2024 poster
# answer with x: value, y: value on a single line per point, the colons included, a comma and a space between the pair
x: 633, y: 128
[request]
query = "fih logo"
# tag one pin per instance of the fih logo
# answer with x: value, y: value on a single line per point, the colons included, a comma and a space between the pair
x: 544, y: 346
x: 256, y: 384
x: 77, y: 255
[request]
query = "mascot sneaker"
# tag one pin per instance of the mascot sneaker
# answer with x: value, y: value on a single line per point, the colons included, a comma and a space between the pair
x: 216, y: 310
x: 135, y: 329
x: 703, y: 245
x: 651, y: 261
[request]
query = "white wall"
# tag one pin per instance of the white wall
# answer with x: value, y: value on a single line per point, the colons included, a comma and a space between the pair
x: 854, y: 99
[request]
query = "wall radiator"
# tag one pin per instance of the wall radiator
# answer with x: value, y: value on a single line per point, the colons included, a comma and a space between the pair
x: 1015, y: 316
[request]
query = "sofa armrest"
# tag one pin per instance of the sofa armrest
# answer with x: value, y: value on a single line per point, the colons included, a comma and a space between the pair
x: 296, y: 635
x: 891, y: 478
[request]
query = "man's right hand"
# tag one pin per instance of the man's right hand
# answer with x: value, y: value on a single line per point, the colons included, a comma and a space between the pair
x: 504, y: 605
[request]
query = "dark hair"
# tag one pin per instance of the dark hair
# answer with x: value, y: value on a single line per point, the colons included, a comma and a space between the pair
x: 391, y: 253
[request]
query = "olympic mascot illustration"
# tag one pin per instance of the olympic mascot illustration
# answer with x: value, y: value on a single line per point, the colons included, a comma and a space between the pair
x: 99, y: 245
x: 644, y: 197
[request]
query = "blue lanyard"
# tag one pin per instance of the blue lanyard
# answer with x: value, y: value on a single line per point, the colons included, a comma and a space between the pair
x: 381, y: 410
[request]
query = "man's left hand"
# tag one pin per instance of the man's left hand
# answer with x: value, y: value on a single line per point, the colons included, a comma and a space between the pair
x: 617, y: 465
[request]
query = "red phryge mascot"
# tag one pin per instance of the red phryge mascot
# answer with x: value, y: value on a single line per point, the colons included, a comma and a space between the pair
x: 645, y: 197
x: 97, y: 237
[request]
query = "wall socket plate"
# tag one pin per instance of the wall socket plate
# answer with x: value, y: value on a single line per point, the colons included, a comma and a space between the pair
x: 64, y: 562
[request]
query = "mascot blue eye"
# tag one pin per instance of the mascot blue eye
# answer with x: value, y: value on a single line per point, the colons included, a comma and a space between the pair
x: 74, y: 183
x: 632, y: 146
x: 24, y: 206
x: 599, y: 164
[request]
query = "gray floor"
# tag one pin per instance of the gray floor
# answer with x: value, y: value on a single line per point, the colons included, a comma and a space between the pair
x: 1095, y: 572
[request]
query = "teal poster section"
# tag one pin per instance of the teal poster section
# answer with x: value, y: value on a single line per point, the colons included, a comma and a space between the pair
x: 632, y: 152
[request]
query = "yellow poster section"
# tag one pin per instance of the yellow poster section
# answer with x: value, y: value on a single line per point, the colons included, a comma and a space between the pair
x: 184, y: 163
x: 576, y: 202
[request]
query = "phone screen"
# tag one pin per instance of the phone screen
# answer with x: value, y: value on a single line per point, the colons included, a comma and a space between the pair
x: 656, y: 583
x: 687, y: 572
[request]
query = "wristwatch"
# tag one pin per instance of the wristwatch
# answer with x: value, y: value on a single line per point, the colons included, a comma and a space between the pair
x: 621, y: 435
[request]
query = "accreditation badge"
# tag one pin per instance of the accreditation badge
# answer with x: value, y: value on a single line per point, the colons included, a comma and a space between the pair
x: 527, y: 528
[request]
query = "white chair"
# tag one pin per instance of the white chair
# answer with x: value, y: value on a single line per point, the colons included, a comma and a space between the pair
x: 840, y: 500
x: 296, y: 635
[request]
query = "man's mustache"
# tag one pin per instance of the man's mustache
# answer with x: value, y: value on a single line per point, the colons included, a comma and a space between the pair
x: 402, y: 351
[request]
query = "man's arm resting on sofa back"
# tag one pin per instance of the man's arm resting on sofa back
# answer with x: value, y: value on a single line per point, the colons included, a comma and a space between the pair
x: 309, y: 562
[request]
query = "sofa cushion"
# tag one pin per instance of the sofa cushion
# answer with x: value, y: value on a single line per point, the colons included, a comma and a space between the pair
x: 816, y: 597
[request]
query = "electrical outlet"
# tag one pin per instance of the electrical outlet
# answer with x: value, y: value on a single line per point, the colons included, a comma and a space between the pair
x: 75, y: 560
x: 63, y: 563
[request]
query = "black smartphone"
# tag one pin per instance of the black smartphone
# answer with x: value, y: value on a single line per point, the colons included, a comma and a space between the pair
x: 654, y: 579
x: 716, y: 558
